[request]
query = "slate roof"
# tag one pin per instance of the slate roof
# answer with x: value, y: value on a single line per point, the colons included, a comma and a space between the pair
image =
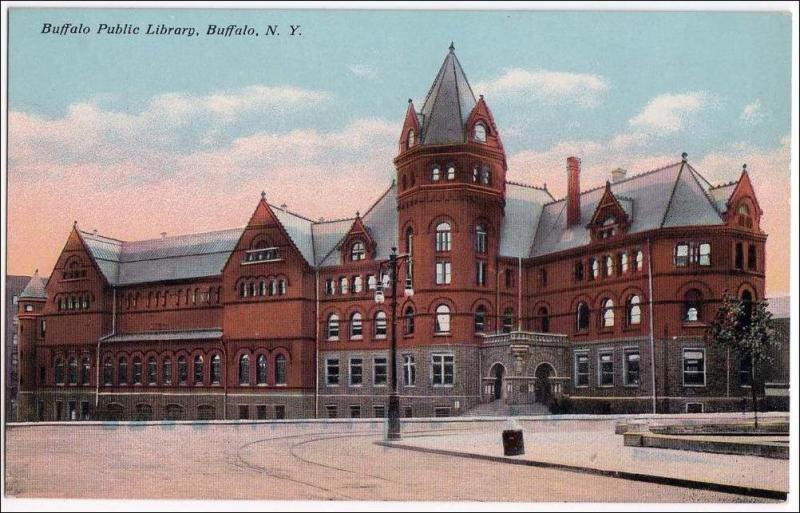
x: 675, y: 195
x: 524, y: 206
x: 35, y: 288
x: 448, y: 104
x: 170, y: 258
x: 198, y: 334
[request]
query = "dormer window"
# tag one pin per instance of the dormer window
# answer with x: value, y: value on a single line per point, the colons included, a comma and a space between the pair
x: 261, y: 255
x: 743, y: 216
x: 411, y: 138
x: 74, y: 270
x: 358, y: 251
x: 479, y: 133
x: 608, y: 228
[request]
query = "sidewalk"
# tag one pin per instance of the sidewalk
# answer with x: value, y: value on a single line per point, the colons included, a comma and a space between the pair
x: 599, y: 450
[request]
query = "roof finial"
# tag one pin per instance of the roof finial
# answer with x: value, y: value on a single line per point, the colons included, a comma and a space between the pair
x: 684, y: 155
x: 75, y: 223
x: 263, y: 195
x: 452, y: 47
x: 358, y: 214
x: 409, y: 100
x: 744, y: 168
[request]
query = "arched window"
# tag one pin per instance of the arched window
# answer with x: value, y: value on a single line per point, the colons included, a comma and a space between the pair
x: 607, y: 311
x: 273, y: 288
x: 242, y: 289
x: 692, y: 306
x: 476, y: 173
x: 59, y: 371
x: 198, y: 369
x: 356, y: 326
x: 137, y: 371
x: 443, y: 237
x: 357, y: 251
x: 595, y: 268
x: 358, y: 285
x: 623, y: 262
x: 85, y: 302
x: 108, y: 371
x: 480, y: 319
x: 408, y: 321
x: 261, y: 370
x: 244, y: 369
x: 583, y: 316
x: 183, y: 371
x: 251, y: 287
x: 451, y: 171
x: 380, y: 324
x: 743, y: 216
x: 72, y: 371
x: 436, y: 173
x: 122, y: 371
x: 479, y: 133
x: 609, y: 265
x: 86, y: 371
x: 508, y: 320
x: 411, y: 138
x: 639, y: 259
x: 166, y: 370
x: 486, y: 175
x: 544, y: 319
x: 282, y: 287
x: 280, y: 370
x: 343, y: 288
x: 634, y: 310
x: 480, y: 238
x: 372, y: 282
x: 578, y: 272
x: 262, y: 288
x: 333, y: 327
x: 442, y: 324
x: 216, y: 364
x: 152, y: 370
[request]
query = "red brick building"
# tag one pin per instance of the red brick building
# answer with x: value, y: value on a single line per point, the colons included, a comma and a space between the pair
x: 603, y: 296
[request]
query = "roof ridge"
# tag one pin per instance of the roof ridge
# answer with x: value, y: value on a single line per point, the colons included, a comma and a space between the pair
x: 720, y: 186
x: 695, y: 173
x: 92, y: 234
x: 287, y: 211
x: 640, y: 175
x: 338, y: 220
x: 528, y: 185
x: 672, y: 195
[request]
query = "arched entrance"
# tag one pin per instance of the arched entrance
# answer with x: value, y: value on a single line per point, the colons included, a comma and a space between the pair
x: 498, y: 371
x: 543, y: 389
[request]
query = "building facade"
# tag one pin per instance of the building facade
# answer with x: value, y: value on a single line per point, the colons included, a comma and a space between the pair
x: 603, y: 296
x: 14, y: 287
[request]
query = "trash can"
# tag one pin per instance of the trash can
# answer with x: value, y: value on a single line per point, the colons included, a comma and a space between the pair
x: 513, y: 444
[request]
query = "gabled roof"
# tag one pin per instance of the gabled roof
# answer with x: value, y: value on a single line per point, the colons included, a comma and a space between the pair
x: 179, y: 257
x: 675, y: 195
x: 524, y: 205
x: 448, y: 104
x: 298, y: 228
x: 721, y: 194
x: 35, y: 289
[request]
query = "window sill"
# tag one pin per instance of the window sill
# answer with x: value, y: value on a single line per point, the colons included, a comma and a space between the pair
x: 332, y: 339
x: 380, y: 386
x: 694, y: 324
x: 379, y: 337
x: 693, y: 386
x: 357, y: 337
x: 351, y: 385
x: 581, y: 386
x: 605, y: 386
x: 442, y: 334
x: 631, y: 386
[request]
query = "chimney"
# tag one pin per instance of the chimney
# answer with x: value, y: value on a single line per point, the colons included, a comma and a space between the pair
x: 573, y: 191
x: 617, y: 175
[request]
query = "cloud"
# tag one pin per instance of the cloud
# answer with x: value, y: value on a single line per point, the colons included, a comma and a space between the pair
x: 670, y: 112
x: 363, y: 71
x: 752, y: 113
x: 549, y: 87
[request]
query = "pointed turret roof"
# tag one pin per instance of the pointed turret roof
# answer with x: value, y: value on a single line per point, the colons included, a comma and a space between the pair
x: 34, y: 288
x: 448, y: 104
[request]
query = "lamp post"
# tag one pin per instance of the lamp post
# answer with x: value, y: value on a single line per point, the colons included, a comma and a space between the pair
x: 393, y: 433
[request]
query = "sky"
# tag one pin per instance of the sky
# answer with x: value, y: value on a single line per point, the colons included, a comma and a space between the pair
x: 140, y: 134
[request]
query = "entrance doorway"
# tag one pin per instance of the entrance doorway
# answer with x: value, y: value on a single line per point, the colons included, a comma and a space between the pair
x: 498, y: 371
x: 543, y: 388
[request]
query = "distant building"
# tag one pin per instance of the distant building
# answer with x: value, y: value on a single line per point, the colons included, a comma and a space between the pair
x: 603, y: 296
x: 14, y: 287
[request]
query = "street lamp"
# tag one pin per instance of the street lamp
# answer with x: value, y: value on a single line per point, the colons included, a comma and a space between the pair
x: 393, y: 432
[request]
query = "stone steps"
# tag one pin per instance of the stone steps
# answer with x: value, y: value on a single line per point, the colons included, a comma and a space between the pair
x: 500, y: 409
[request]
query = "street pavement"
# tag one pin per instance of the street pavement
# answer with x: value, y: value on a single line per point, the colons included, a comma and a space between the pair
x: 299, y: 461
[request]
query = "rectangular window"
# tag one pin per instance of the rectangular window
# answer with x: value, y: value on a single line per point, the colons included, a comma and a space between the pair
x: 379, y: 411
x: 330, y: 288
x: 739, y: 258
x: 605, y: 371
x: 631, y: 370
x: 59, y: 410
x: 480, y: 273
x: 578, y: 271
x: 371, y: 282
x: 84, y: 410
x: 409, y: 412
x: 442, y: 369
x: 694, y: 407
x: 543, y: 277
x: 442, y: 272
x: 509, y: 279
x: 356, y: 371
x: 441, y: 411
x: 581, y: 369
x: 43, y: 327
x: 355, y: 411
x: 280, y: 411
x: 332, y: 372
x: 380, y: 371
x: 682, y: 255
x: 704, y: 254
x: 409, y: 370
x: 244, y: 412
x: 442, y: 240
x: 694, y: 367
x: 261, y: 412
x: 331, y: 411
x: 751, y: 261
x: 73, y: 410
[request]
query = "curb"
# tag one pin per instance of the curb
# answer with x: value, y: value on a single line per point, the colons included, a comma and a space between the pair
x: 763, y: 493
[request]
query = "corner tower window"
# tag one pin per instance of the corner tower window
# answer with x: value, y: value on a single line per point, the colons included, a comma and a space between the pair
x: 479, y: 133
x: 436, y: 173
x: 411, y: 138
